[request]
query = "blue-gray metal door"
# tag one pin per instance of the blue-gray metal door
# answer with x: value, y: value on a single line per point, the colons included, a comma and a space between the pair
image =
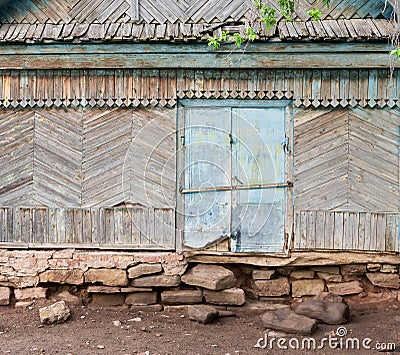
x: 235, y: 181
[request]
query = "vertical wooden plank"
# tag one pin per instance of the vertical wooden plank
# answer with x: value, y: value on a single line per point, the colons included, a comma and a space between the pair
x: 390, y: 232
x: 17, y: 238
x: 354, y: 220
x: 98, y: 225
x: 26, y: 225
x: 40, y: 226
x: 158, y: 227
x: 372, y: 242
x: 127, y: 226
x: 151, y: 225
x: 338, y: 232
x: 381, y: 232
x: 144, y: 229
x: 367, y: 238
x: 297, y: 233
x: 118, y: 226
x: 361, y: 231
x: 347, y: 242
x: 329, y: 229
x: 3, y: 225
x: 109, y: 229
x: 311, y: 221
x: 320, y: 230
x: 52, y: 226
x: 135, y: 239
x: 69, y: 225
x: 61, y: 221
x: 10, y: 224
x: 303, y: 230
x: 169, y: 227
x: 78, y: 225
x: 86, y: 226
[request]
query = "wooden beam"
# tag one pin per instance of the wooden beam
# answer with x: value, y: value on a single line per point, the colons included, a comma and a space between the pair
x: 306, y: 258
x: 147, y: 56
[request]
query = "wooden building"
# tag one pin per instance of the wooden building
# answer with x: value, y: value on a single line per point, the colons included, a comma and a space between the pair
x: 120, y: 129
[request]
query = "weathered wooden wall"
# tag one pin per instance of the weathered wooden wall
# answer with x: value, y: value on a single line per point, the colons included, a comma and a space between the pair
x: 132, y: 88
x: 329, y: 230
x: 347, y: 159
x: 347, y: 179
x: 87, y: 157
x: 138, y: 227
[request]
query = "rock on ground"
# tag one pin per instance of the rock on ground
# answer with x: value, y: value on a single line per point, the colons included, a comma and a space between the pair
x: 286, y: 320
x: 202, y: 313
x: 324, y: 310
x: 212, y: 277
x: 56, y: 313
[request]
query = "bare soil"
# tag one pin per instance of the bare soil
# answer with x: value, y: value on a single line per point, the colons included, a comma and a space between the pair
x: 92, y: 331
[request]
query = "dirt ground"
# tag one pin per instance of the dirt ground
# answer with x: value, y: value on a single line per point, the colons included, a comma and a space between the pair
x: 123, y: 331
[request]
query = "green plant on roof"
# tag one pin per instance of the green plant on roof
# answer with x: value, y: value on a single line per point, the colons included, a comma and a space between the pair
x: 268, y: 15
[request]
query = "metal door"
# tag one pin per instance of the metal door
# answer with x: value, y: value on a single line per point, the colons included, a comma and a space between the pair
x: 234, y: 181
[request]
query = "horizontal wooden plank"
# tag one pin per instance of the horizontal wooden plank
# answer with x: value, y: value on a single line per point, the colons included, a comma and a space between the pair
x: 190, y: 48
x: 205, y: 60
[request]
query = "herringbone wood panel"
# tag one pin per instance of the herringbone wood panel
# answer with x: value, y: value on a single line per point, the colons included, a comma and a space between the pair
x: 106, y: 139
x: 347, y: 160
x: 101, y: 11
x: 58, y: 157
x: 16, y: 157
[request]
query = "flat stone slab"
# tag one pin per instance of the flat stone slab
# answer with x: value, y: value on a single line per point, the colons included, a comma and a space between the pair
x: 156, y: 281
x: 107, y: 277
x: 30, y: 293
x: 56, y: 313
x: 330, y: 277
x: 72, y: 277
x: 384, y: 280
x: 263, y: 274
x: 202, y: 313
x: 326, y: 311
x: 212, y: 277
x: 307, y: 287
x: 345, y: 288
x: 286, y: 320
x: 302, y: 274
x: 181, y: 296
x: 228, y: 297
x: 141, y: 298
x: 272, y: 288
x: 144, y: 269
x: 108, y: 299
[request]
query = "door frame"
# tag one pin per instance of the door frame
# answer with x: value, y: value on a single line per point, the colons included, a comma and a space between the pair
x: 287, y: 105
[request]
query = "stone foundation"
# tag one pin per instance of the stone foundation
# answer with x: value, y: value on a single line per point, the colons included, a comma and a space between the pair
x: 154, y: 280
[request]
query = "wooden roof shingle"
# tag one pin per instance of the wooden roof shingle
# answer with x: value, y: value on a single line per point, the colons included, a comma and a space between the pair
x: 334, y: 30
